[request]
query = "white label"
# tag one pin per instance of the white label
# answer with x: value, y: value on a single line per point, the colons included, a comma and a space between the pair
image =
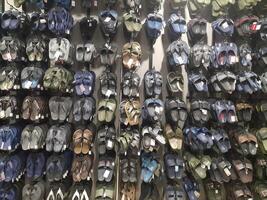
x: 258, y: 27
x: 2, y: 114
x: 42, y: 21
x: 106, y: 174
x: 225, y: 25
x: 227, y: 171
x: 152, y: 142
x: 95, y: 3
x: 17, y: 116
x: 107, y: 19
x: 28, y: 84
x: 248, y: 57
x: 180, y: 60
x: 9, y: 58
x: 204, y: 112
x: 109, y: 144
x: 130, y: 62
x: 176, y: 168
x: 233, y: 118
x: 108, y: 93
x: 73, y: 3
x: 11, y: 115
x: 233, y: 59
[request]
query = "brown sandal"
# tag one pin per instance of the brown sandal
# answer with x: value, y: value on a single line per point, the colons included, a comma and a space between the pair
x: 77, y: 141
x: 128, y: 192
x: 87, y: 141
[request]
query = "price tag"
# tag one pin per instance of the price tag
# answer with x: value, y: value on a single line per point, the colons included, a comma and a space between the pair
x: 2, y: 114
x: 227, y: 171
x: 109, y: 144
x: 107, y: 19
x: 8, y: 55
x: 73, y: 3
x: 130, y: 62
x: 42, y: 21
x: 106, y: 174
x: 233, y: 118
x: 225, y: 25
x: 248, y: 57
x: 204, y: 111
x: 108, y: 93
x: 95, y: 3
x: 152, y: 142
x: 176, y: 168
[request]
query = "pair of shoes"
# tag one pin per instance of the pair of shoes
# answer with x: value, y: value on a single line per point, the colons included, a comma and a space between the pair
x: 80, y: 191
x: 60, y: 50
x: 58, y: 166
x: 149, y: 167
x: 9, y: 107
x: 130, y: 112
x: 12, y: 20
x: 153, y: 110
x: 130, y: 84
x: 105, y: 169
x: 60, y: 21
x: 35, y: 165
x: 87, y: 26
x: 104, y: 191
x: 83, y: 139
x: 106, y: 139
x: 128, y: 170
x: 60, y: 107
x: 86, y: 52
x: 152, y: 138
x: 58, y: 79
x: 58, y: 138
x: 34, y: 108
x: 10, y: 191
x: 176, y: 26
x: 129, y: 141
x: 132, y: 24
x: 9, y: 77
x: 153, y: 81
x: 37, y: 21
x: 31, y: 77
x: 108, y: 20
x: 12, y: 49
x: 56, y: 191
x: 33, y: 136
x: 131, y: 55
x: 10, y: 137
x: 84, y: 109
x: 36, y: 48
x: 12, y: 167
x: 84, y: 82
x: 154, y: 26
x: 34, y: 191
x: 81, y: 167
x: 108, y: 84
x: 197, y: 30
x: 106, y: 110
